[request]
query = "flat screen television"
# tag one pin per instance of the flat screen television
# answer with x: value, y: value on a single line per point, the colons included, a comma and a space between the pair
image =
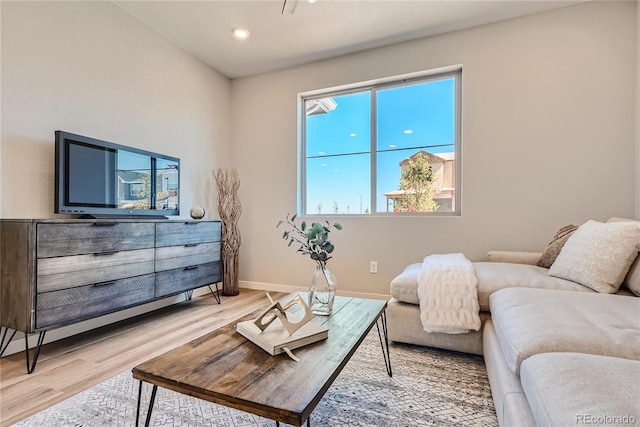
x: 95, y: 179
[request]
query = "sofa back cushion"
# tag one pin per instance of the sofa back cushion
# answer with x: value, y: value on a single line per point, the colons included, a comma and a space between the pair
x: 492, y: 276
x: 598, y: 255
x: 632, y: 280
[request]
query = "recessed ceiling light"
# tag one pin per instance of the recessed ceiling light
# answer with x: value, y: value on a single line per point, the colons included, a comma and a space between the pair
x: 352, y: 134
x: 407, y: 131
x: 240, y: 33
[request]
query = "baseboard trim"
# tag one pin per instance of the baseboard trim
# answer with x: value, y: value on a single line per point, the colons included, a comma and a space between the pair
x: 274, y: 287
x: 17, y: 345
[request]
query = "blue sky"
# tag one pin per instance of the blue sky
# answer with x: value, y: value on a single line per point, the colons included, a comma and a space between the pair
x: 419, y: 115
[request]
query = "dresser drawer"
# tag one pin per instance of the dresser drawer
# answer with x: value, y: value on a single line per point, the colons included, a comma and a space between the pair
x: 184, y: 233
x: 55, y: 240
x: 71, y: 305
x: 172, y: 282
x: 171, y: 257
x: 72, y: 271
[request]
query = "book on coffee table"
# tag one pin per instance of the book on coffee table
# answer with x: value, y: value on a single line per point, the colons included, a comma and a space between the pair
x: 275, y: 337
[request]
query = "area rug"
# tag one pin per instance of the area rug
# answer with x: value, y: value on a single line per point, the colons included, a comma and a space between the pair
x: 429, y: 387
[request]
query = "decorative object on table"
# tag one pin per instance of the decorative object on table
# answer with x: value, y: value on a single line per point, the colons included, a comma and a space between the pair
x: 277, y: 331
x: 279, y: 312
x: 197, y: 212
x: 229, y: 209
x: 314, y: 241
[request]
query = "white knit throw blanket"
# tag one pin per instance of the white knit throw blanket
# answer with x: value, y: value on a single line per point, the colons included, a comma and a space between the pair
x: 447, y: 287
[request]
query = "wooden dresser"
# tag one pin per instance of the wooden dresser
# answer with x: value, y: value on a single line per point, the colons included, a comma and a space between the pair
x: 58, y: 272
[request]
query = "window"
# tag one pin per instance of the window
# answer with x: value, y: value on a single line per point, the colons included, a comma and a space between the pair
x: 384, y: 148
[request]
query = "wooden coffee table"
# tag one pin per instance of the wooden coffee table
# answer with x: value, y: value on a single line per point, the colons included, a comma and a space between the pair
x: 225, y: 368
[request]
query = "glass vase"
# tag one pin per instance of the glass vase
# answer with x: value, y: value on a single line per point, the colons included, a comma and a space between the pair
x: 322, y: 291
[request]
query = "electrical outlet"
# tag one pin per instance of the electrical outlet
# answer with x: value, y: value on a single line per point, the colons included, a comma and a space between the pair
x: 373, y: 267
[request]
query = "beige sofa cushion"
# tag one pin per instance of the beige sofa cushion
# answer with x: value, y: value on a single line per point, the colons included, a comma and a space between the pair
x: 598, y: 255
x: 492, y: 276
x: 517, y: 257
x: 404, y: 287
x: 535, y: 321
x: 568, y: 389
x: 632, y: 281
x: 404, y: 325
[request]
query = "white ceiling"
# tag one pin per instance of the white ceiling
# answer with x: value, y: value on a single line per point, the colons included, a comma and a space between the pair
x: 308, y: 32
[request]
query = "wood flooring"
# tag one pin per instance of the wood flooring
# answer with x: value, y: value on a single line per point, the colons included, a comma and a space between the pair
x: 74, y: 364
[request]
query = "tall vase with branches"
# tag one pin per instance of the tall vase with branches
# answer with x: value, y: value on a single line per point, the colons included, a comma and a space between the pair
x: 229, y: 209
x: 314, y: 241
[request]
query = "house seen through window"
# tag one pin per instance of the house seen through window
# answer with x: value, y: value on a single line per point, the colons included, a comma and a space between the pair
x: 387, y: 148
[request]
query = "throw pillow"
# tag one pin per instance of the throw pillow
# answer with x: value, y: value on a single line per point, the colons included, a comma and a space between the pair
x: 598, y: 255
x: 552, y: 250
x: 632, y: 281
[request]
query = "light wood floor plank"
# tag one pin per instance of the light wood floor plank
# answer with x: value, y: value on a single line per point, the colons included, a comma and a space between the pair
x: 74, y: 364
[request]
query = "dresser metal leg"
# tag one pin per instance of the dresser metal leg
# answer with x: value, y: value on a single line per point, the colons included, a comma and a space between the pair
x: 32, y: 366
x: 216, y: 294
x: 3, y: 345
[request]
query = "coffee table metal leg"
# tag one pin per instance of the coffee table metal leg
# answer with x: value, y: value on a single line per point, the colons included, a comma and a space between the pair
x: 153, y: 398
x: 138, y: 408
x: 385, y: 344
x: 308, y: 422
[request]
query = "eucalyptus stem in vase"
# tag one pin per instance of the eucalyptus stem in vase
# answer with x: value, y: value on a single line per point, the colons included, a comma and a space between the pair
x: 314, y: 242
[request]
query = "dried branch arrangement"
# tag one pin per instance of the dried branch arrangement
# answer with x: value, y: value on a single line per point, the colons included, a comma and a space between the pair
x: 229, y: 209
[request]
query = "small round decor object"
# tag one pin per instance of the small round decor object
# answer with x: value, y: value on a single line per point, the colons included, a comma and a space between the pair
x: 197, y: 212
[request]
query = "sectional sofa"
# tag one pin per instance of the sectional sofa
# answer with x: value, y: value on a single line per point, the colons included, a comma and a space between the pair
x: 560, y: 340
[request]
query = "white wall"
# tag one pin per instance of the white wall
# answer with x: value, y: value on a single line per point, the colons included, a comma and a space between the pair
x: 638, y: 110
x: 92, y: 69
x: 548, y: 139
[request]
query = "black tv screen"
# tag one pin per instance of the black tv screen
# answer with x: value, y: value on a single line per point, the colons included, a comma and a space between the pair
x: 98, y: 178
